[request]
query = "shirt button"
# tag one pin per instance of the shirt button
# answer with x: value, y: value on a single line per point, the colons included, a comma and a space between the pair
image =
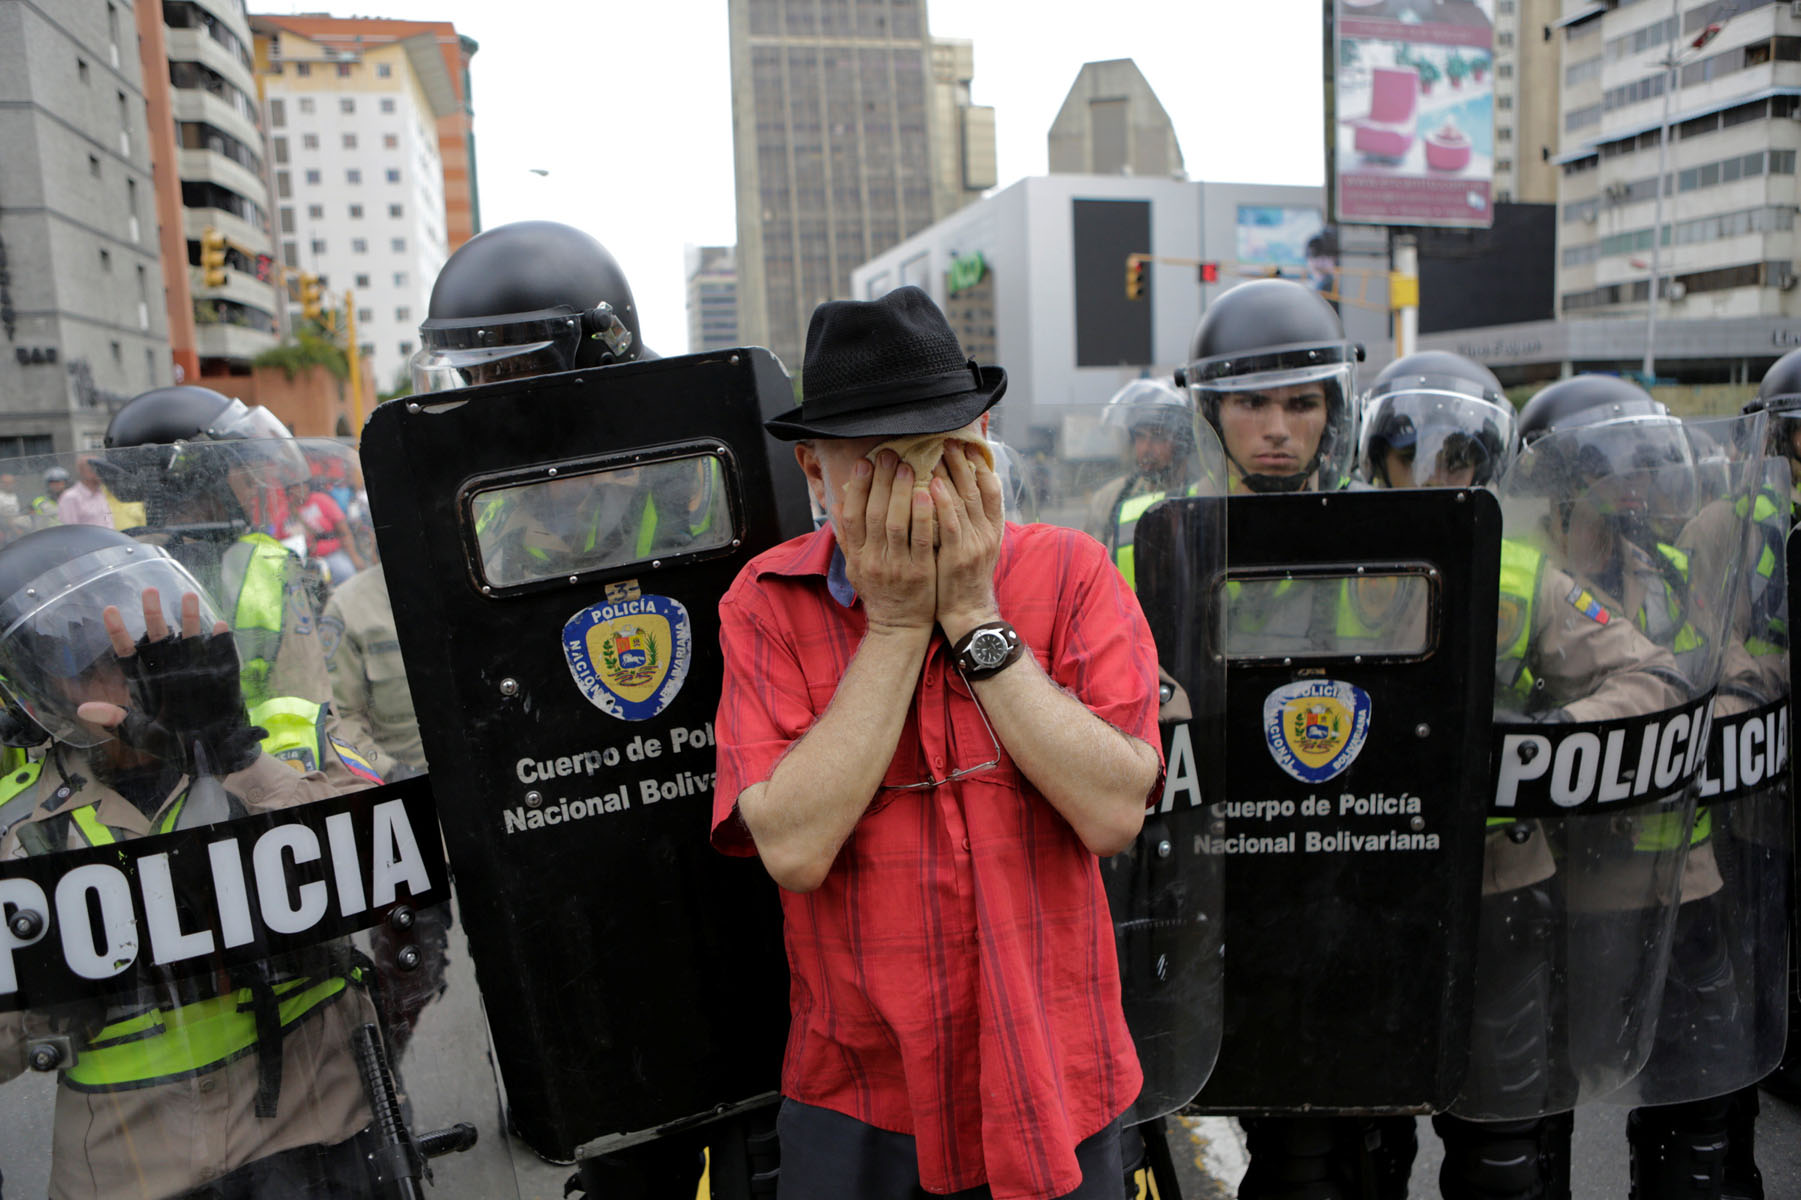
x: 938, y: 761
x: 966, y: 843
x: 208, y: 1084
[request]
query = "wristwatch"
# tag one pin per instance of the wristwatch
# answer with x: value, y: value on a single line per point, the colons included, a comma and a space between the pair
x: 987, y: 650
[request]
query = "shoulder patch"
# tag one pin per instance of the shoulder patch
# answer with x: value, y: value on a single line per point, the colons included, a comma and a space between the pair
x: 1587, y: 605
x: 357, y: 764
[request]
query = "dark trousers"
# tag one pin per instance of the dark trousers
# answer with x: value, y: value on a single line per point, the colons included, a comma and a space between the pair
x: 829, y: 1156
x: 303, y: 1173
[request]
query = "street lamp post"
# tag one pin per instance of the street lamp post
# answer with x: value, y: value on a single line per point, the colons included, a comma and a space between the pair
x: 1673, y: 63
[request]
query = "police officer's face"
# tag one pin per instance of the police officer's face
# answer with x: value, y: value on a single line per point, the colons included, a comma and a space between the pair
x: 1152, y: 449
x: 1446, y: 469
x: 1273, y: 432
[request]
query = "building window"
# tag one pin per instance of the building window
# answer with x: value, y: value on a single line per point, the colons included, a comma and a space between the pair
x: 367, y: 349
x: 287, y: 220
x: 1503, y: 164
x: 384, y: 70
x: 309, y: 141
x: 403, y: 314
x: 106, y: 259
x: 315, y: 212
x: 81, y: 69
x: 359, y: 245
x: 318, y: 248
x: 278, y: 113
x: 284, y: 185
x: 365, y: 316
x: 281, y: 149
x: 1504, y: 103
x: 406, y: 349
x: 397, y: 245
x: 290, y: 254
x: 350, y: 141
x: 356, y: 212
x: 393, y: 175
x: 1504, y: 70
x: 400, y: 279
x: 390, y: 141
x: 306, y: 104
x: 94, y: 165
x: 362, y: 281
x: 312, y: 176
x: 303, y: 69
x: 1504, y: 133
x: 352, y: 175
x: 118, y: 354
x: 347, y: 104
x: 387, y: 104
x: 396, y: 210
x: 343, y: 70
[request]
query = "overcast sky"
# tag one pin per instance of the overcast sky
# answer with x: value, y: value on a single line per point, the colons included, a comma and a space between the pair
x: 628, y: 106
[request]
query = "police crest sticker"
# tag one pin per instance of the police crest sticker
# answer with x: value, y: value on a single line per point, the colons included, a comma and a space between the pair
x: 1316, y: 728
x: 629, y: 657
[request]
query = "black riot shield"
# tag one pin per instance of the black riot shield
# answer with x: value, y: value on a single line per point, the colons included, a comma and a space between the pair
x: 1357, y: 703
x: 555, y: 549
x: 217, y: 974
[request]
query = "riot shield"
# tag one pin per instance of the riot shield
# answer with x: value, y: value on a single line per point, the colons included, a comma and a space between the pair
x: 555, y: 549
x: 1723, y: 1017
x: 1357, y: 685
x: 1609, y: 651
x: 246, y: 978
x: 1160, y: 513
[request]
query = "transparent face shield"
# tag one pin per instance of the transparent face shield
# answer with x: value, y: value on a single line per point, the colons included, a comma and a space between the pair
x: 1636, y: 470
x: 55, y: 653
x: 464, y: 353
x: 1284, y: 417
x: 1433, y: 435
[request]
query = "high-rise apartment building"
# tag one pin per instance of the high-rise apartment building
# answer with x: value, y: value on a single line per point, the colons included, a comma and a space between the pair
x: 355, y: 137
x: 218, y: 167
x: 1112, y: 123
x: 1728, y: 240
x: 712, y: 273
x: 80, y: 286
x: 852, y: 129
x: 1526, y: 79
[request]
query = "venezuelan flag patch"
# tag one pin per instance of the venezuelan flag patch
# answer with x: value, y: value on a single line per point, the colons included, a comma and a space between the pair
x: 1588, y: 606
x: 359, y: 766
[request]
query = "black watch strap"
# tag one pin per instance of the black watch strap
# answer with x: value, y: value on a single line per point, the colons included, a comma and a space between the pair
x: 974, y: 668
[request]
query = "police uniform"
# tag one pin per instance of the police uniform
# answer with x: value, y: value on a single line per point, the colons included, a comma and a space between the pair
x: 162, y: 1114
x: 368, y: 678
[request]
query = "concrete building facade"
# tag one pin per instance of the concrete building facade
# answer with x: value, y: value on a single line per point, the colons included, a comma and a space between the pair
x: 1033, y: 279
x: 219, y: 160
x: 81, y: 300
x: 1112, y: 123
x: 1728, y: 243
x: 1527, y: 83
x: 359, y: 181
x: 712, y: 274
x: 845, y: 115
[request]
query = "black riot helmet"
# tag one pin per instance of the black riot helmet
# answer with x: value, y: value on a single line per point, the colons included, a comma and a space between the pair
x: 174, y: 442
x: 1442, y: 415
x: 530, y: 298
x: 1601, y: 437
x: 1273, y: 335
x: 55, y: 587
x: 1780, y: 395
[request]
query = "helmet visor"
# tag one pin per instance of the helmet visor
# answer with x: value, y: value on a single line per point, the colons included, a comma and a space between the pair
x: 464, y: 353
x: 55, y: 653
x: 1635, y: 467
x: 1283, y: 418
x: 1429, y: 437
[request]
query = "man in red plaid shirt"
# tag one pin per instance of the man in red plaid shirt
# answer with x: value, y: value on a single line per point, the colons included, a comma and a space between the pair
x: 932, y: 724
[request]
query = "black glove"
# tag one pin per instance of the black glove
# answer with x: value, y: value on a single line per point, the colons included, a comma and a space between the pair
x: 185, y: 694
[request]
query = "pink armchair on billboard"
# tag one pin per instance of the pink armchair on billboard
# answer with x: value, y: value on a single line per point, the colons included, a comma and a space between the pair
x: 1389, y: 129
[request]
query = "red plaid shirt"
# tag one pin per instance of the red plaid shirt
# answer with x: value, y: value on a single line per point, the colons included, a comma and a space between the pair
x: 955, y: 977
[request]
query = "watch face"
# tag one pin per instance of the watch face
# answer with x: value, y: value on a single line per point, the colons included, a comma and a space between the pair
x: 988, y: 649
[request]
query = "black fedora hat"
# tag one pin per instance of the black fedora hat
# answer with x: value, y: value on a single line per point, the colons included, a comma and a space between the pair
x: 886, y: 368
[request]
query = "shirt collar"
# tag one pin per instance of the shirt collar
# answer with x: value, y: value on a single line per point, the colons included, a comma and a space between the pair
x: 815, y: 553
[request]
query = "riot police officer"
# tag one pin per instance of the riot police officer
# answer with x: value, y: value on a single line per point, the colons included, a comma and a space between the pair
x: 529, y: 298
x: 1159, y: 421
x: 112, y: 649
x: 517, y: 301
x: 1271, y: 371
x: 1435, y: 419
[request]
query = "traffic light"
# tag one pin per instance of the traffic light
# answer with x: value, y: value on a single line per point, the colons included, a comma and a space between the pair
x: 310, y: 297
x: 1209, y: 272
x: 212, y: 258
x: 1137, y: 271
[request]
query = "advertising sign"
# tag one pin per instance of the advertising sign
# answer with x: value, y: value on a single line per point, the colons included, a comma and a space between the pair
x: 1414, y: 139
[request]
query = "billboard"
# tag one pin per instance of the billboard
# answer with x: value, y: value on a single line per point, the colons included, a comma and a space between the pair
x: 1413, y: 143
